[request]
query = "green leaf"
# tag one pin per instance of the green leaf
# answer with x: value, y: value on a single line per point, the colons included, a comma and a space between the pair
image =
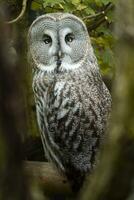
x: 69, y: 7
x: 75, y: 2
x: 105, y: 1
x: 36, y: 6
x: 106, y: 56
x: 89, y: 11
x: 81, y: 7
x: 52, y: 2
x: 98, y: 2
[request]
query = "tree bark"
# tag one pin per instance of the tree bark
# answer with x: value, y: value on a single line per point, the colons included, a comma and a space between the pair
x: 114, y: 177
x: 13, y: 183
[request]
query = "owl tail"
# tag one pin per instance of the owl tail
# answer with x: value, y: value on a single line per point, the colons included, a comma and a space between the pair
x: 76, y: 178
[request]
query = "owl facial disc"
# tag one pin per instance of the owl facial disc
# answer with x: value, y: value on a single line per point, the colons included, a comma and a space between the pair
x: 59, y: 44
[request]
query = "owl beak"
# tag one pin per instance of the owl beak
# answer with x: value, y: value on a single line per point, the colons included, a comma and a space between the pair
x: 59, y: 58
x: 59, y: 54
x: 58, y: 63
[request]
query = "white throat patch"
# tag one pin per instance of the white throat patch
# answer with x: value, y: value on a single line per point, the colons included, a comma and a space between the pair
x: 64, y: 66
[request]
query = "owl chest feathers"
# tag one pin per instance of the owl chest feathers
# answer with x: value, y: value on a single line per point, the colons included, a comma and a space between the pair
x: 69, y: 112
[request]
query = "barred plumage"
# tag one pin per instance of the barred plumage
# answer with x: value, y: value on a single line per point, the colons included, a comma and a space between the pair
x: 71, y: 99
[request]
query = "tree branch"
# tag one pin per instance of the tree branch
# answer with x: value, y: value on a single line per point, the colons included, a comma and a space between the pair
x: 94, y: 16
x: 51, y: 181
x: 97, y: 24
x: 103, y: 13
x: 98, y: 18
x: 24, y: 5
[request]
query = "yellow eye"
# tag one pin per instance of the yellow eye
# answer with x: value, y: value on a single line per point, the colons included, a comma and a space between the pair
x: 69, y: 37
x: 47, y: 39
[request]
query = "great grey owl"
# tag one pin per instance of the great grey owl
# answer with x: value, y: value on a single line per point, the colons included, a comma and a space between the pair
x: 72, y: 102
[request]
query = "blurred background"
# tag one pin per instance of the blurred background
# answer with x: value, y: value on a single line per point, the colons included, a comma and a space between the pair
x: 19, y: 134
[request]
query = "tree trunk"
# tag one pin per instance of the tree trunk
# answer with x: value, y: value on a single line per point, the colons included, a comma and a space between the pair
x: 114, y: 178
x: 12, y: 178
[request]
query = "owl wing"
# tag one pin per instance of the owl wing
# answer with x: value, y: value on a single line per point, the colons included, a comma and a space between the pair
x: 75, y: 123
x: 74, y: 120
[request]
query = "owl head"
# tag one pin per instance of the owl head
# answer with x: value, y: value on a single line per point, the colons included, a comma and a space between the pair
x: 58, y: 41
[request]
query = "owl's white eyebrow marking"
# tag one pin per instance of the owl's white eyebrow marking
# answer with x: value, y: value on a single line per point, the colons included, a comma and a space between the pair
x: 65, y: 31
x: 48, y: 32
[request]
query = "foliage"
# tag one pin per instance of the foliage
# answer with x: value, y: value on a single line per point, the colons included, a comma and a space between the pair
x: 99, y: 24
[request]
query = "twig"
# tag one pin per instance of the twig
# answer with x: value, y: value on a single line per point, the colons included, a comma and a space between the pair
x: 97, y: 24
x: 99, y: 18
x: 101, y: 14
x: 24, y: 5
x: 94, y: 16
